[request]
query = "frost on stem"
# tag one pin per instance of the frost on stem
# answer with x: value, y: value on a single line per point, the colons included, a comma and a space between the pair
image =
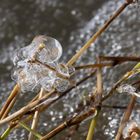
x: 130, y: 128
x: 126, y: 88
x: 32, y: 76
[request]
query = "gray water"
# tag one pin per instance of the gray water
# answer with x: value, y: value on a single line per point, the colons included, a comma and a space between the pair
x: 72, y: 23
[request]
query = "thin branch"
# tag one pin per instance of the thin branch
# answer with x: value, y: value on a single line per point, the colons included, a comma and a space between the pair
x: 97, y: 34
x: 97, y: 102
x: 94, y: 66
x: 35, y: 118
x: 71, y: 61
x: 120, y: 59
x: 125, y: 77
x: 14, y: 93
x: 5, y: 114
x: 30, y: 130
x: 73, y: 121
x: 126, y: 117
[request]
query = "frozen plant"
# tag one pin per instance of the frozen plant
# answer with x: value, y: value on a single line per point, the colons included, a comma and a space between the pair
x: 126, y: 88
x: 30, y: 62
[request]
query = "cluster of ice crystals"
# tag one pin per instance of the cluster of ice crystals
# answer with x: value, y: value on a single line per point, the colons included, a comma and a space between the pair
x: 31, y: 75
x: 126, y: 88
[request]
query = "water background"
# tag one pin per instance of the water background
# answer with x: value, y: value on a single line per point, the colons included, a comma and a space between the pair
x: 72, y: 22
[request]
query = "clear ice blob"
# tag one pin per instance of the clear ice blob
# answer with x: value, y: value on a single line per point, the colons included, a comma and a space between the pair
x: 61, y: 85
x: 30, y: 74
x: 47, y: 83
x: 125, y: 88
x: 47, y: 49
x: 21, y: 57
x: 128, y: 89
x: 63, y: 69
x: 26, y: 82
x: 71, y: 70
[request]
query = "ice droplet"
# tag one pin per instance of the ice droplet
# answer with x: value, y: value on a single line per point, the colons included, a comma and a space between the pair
x: 50, y: 51
x: 71, y: 70
x: 128, y: 89
x: 26, y: 82
x: 47, y: 83
x: 61, y: 85
x: 63, y: 69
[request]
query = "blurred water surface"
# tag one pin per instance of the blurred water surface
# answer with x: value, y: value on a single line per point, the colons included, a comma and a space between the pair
x: 72, y: 23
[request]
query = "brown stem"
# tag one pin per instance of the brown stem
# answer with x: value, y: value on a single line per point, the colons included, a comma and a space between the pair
x: 9, y: 108
x: 14, y: 93
x: 70, y: 122
x: 125, y: 117
x: 35, y: 119
x: 125, y: 77
x: 93, y: 66
x: 97, y: 34
x: 119, y: 58
x: 27, y: 108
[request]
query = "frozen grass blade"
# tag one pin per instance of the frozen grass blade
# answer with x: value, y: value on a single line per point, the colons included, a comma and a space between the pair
x: 35, y: 118
x: 8, y: 101
x: 98, y: 98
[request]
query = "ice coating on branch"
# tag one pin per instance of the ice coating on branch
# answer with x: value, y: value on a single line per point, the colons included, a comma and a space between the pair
x: 129, y: 127
x: 30, y: 70
x: 61, y: 85
x: 50, y: 49
x: 126, y: 88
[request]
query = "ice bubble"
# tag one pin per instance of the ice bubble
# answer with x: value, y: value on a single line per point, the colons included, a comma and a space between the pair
x: 26, y: 81
x: 63, y: 69
x: 126, y: 88
x: 47, y: 83
x: 48, y: 49
x: 61, y: 85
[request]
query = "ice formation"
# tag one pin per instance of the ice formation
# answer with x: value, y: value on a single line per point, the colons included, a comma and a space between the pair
x: 31, y: 75
x: 126, y: 88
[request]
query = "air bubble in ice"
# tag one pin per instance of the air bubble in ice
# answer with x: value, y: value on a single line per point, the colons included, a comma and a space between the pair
x: 50, y: 51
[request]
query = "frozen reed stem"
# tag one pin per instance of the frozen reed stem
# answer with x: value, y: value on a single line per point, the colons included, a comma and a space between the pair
x: 87, y: 45
x: 35, y: 119
x: 25, y: 109
x: 68, y: 123
x: 97, y: 34
x: 98, y: 97
x: 32, y: 105
x: 14, y: 93
x: 9, y: 107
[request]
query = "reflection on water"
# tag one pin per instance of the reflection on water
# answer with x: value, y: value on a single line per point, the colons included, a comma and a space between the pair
x: 72, y: 23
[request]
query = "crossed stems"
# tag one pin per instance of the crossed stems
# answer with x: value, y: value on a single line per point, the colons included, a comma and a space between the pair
x: 71, y: 62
